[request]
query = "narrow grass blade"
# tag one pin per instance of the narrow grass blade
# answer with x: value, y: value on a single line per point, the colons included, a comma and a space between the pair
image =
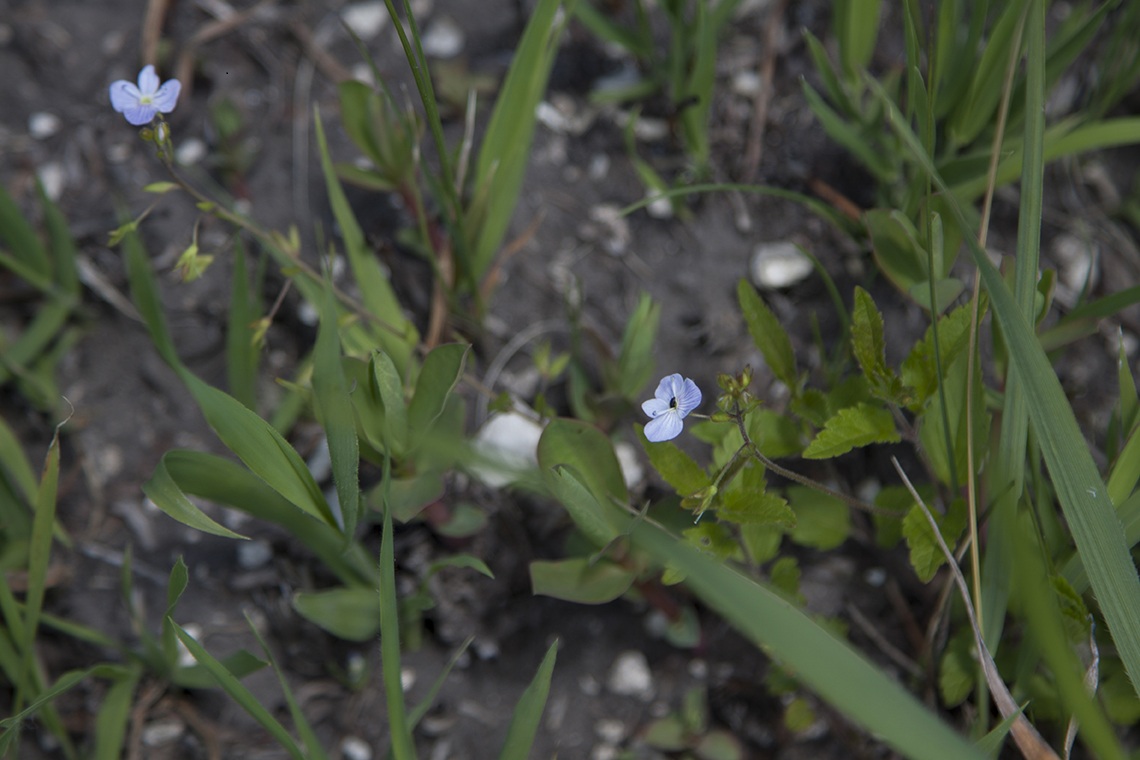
x: 1080, y: 488
x: 241, y: 352
x: 39, y: 551
x: 399, y: 728
x: 528, y: 711
x: 506, y: 144
x: 15, y: 465
x: 168, y: 496
x: 330, y: 389
x: 111, y: 721
x: 61, y: 245
x: 397, y: 335
x: 23, y: 242
x: 829, y: 666
x: 239, y: 693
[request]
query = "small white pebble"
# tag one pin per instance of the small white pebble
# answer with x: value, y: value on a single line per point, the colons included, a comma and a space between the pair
x: 630, y: 676
x: 190, y: 151
x: 407, y: 678
x: 875, y: 577
x: 610, y: 730
x: 52, y: 178
x: 42, y: 125
x: 162, y: 732
x: 365, y: 19
x: 253, y: 554
x: 443, y: 38
x: 698, y: 669
x: 746, y: 83
x: 629, y: 461
x: 508, y: 445
x: 355, y: 748
x: 185, y: 659
x: 779, y: 265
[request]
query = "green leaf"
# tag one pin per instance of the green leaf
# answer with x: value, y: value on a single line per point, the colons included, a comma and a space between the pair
x: 389, y: 389
x: 821, y: 661
x: 776, y: 435
x: 597, y: 520
x: 397, y: 335
x: 958, y: 669
x: 589, y: 452
x: 714, y: 538
x: 868, y: 345
x: 822, y: 521
x: 895, y: 244
x: 677, y: 468
x: 750, y: 507
x: 855, y: 426
x: 785, y: 576
x: 438, y: 376
x: 636, y: 360
x: 528, y: 711
x: 111, y: 721
x: 330, y: 391
x: 919, y: 369
x: 580, y: 580
x: 768, y: 335
x: 762, y: 542
x: 505, y: 151
x: 925, y: 554
x: 241, y: 340
x: 348, y: 613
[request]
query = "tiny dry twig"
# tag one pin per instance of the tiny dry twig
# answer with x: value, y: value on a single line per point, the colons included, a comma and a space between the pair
x: 890, y: 650
x: 1030, y: 743
x: 1092, y: 680
x: 755, y: 148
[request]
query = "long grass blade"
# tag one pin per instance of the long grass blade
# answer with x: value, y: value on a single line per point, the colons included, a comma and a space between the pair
x: 528, y: 711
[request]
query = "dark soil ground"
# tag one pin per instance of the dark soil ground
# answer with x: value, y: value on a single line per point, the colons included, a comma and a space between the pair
x: 57, y: 57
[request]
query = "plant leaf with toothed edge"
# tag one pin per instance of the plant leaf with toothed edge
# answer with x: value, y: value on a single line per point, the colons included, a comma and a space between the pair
x: 768, y: 334
x: 853, y: 426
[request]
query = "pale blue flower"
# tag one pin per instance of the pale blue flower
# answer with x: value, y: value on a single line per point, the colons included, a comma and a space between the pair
x: 139, y: 104
x: 674, y: 399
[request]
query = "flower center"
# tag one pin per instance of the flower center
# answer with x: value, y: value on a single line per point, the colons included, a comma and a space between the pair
x: 673, y: 403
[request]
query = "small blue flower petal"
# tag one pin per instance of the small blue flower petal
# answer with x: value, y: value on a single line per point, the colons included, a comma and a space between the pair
x: 664, y: 428
x: 674, y: 398
x: 140, y: 103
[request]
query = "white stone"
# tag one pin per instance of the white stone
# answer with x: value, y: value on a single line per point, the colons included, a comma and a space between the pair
x: 779, y: 265
x: 610, y: 730
x: 1076, y: 266
x: 407, y: 678
x: 253, y: 554
x: 355, y: 748
x: 365, y: 19
x: 162, y: 732
x: 443, y: 38
x: 190, y: 151
x: 630, y: 676
x: 52, y: 178
x: 42, y: 125
x: 632, y: 471
x: 746, y: 83
x: 507, y: 444
x: 185, y: 659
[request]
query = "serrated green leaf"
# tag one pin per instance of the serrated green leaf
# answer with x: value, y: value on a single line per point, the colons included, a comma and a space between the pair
x: 768, y: 334
x: 925, y: 554
x: 919, y: 371
x: 776, y: 435
x: 785, y: 576
x: 677, y: 468
x: 798, y: 715
x: 854, y: 426
x: 822, y: 521
x: 580, y: 580
x: 749, y: 507
x: 762, y: 542
x: 869, y: 346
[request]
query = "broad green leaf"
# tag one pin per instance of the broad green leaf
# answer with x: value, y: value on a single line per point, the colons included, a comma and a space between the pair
x: 822, y: 522
x: 958, y: 669
x: 596, y: 520
x: 589, y: 452
x: 677, y: 468
x: 926, y: 555
x: 351, y: 613
x: 975, y: 112
x: 714, y: 538
x: 898, y: 252
x: 785, y: 575
x: 853, y: 427
x: 768, y: 335
x: 23, y: 242
x: 820, y: 661
x: 636, y: 361
x: 580, y: 580
x: 856, y: 25
x: 528, y: 711
x: 776, y: 435
x: 750, y: 507
x: 762, y: 542
x: 211, y: 477
x: 331, y: 393
x: 441, y: 370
